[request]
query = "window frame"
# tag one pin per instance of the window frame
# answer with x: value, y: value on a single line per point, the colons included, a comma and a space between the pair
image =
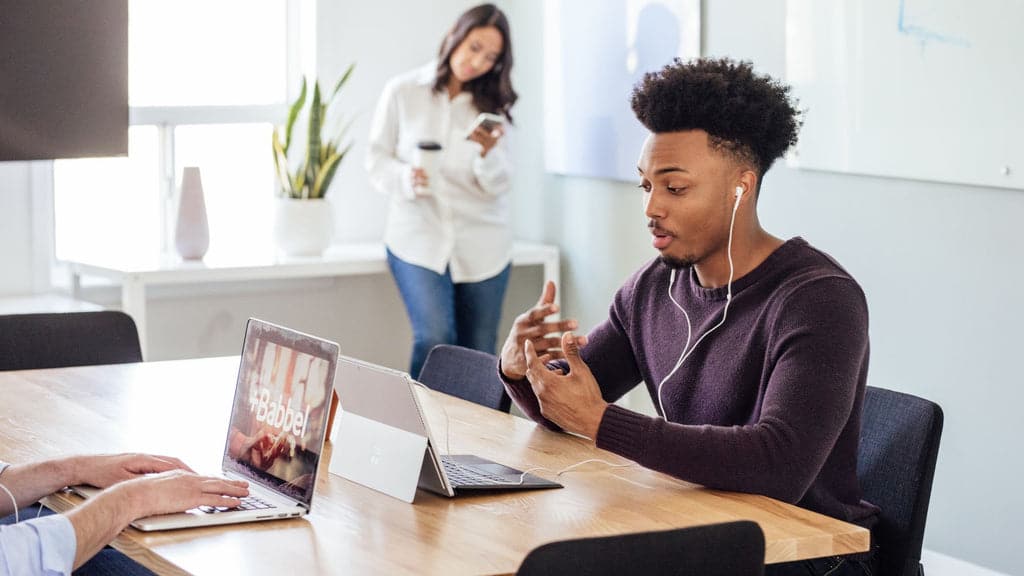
x: 300, y: 60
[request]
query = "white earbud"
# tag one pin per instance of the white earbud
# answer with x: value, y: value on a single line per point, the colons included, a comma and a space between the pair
x: 739, y: 192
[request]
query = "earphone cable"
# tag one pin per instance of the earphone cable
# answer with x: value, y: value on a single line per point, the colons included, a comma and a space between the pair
x: 687, y: 350
x: 14, y: 501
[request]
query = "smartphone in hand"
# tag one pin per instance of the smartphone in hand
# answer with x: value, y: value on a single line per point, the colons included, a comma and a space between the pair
x: 486, y: 121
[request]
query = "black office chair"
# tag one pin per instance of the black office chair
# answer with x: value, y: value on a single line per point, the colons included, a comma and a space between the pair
x: 57, y: 340
x: 729, y: 549
x: 899, y: 443
x: 467, y: 374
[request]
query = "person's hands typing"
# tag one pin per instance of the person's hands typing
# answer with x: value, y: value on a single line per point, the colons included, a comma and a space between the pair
x: 106, y: 470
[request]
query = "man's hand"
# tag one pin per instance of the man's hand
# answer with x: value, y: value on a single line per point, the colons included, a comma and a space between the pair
x: 106, y: 470
x: 573, y: 400
x: 177, y: 491
x: 100, y: 519
x: 544, y: 336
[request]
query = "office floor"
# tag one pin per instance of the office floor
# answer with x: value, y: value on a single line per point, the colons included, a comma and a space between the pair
x: 936, y: 564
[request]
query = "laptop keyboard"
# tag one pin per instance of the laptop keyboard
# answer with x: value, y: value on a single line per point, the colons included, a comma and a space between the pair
x: 459, y: 475
x: 248, y: 503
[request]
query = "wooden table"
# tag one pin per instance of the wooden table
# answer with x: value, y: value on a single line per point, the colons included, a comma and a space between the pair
x: 181, y: 408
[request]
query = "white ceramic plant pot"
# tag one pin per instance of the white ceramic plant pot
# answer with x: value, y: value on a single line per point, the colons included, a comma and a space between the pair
x: 303, y: 227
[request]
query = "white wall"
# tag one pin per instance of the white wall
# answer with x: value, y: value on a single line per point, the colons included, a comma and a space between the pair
x: 938, y: 262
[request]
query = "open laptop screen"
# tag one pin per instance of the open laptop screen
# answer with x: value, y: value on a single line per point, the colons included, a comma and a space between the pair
x: 279, y: 416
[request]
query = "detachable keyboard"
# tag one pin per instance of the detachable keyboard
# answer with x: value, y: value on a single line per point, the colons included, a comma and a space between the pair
x: 459, y: 475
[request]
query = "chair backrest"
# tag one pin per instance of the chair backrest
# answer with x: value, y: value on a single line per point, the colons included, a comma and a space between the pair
x: 468, y: 374
x: 899, y: 443
x: 56, y: 340
x: 730, y: 549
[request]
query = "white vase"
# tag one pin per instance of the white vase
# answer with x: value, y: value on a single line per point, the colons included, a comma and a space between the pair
x: 303, y: 227
x: 192, y: 231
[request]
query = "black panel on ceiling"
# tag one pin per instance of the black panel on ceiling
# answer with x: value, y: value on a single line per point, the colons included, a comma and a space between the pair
x: 63, y: 79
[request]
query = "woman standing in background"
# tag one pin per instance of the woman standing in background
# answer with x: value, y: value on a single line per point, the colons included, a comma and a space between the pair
x: 448, y: 237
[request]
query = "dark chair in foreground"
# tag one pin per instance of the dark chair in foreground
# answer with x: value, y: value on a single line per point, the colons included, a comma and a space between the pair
x: 57, y: 340
x: 467, y: 374
x: 899, y: 443
x: 730, y: 549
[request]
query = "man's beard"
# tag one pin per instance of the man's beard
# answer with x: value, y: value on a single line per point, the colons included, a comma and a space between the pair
x: 676, y: 263
x: 670, y: 261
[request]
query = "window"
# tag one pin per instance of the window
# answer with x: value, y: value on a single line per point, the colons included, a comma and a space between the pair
x: 207, y: 81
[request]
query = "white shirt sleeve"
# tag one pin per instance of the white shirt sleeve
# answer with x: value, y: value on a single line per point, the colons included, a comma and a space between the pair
x: 41, y: 546
x: 388, y: 175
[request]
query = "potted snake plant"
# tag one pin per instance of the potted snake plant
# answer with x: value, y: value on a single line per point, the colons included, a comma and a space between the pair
x: 305, y: 168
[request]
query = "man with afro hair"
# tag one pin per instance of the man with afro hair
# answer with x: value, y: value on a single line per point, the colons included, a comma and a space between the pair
x: 754, y: 349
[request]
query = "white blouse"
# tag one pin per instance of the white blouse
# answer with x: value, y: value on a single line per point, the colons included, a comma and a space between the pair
x: 464, y: 222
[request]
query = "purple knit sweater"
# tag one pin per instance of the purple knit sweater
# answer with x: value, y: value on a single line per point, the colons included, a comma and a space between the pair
x: 769, y: 403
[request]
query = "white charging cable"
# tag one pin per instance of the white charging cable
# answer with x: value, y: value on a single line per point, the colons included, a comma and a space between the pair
x: 522, y: 477
x: 605, y: 462
x: 14, y: 501
x: 687, y: 350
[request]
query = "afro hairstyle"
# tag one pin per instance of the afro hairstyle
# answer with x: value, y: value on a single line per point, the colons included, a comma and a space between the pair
x: 747, y: 115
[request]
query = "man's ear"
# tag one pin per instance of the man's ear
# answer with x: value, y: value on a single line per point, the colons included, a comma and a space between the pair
x: 747, y: 181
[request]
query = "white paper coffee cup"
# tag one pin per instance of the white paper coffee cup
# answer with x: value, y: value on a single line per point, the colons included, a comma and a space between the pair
x: 427, y: 157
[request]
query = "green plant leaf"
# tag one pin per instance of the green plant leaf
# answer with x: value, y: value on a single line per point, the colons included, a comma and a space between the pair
x: 323, y: 179
x: 315, y: 136
x: 293, y: 113
x: 330, y: 177
x: 281, y: 163
x: 336, y: 143
x: 299, y: 182
x: 326, y: 105
x: 345, y: 151
x: 322, y: 158
x: 327, y: 151
x: 341, y: 82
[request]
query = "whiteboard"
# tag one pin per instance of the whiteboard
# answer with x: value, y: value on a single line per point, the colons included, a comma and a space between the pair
x: 592, y: 59
x: 919, y: 89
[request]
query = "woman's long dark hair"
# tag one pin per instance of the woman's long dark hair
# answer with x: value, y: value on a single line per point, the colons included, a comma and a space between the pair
x: 493, y: 91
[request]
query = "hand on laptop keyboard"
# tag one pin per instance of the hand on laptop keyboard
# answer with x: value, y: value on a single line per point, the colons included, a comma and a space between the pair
x: 170, y: 492
x: 247, y: 503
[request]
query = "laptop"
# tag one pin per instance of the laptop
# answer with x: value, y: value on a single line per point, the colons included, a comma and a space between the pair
x: 276, y: 430
x: 383, y: 441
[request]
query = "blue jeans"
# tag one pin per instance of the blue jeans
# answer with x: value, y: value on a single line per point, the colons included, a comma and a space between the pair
x: 443, y: 312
